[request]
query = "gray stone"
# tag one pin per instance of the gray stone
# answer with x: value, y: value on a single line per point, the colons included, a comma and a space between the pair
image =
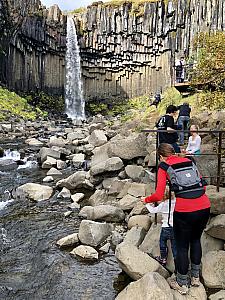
x: 210, y: 244
x: 76, y: 180
x: 106, y: 213
x: 218, y: 296
x: 216, y: 227
x: 113, y: 164
x: 134, y: 172
x: 94, y: 233
x: 77, y: 197
x: 44, y: 152
x: 135, y: 236
x: 65, y: 194
x: 128, y: 202
x: 217, y: 199
x: 69, y: 240
x: 136, y: 263
x: 105, y: 248
x: 54, y: 172
x: 143, y: 221
x: 7, y: 165
x: 86, y: 252
x: 48, y: 179
x: 34, y: 191
x: 49, y: 163
x: 137, y: 190
x: 97, y: 138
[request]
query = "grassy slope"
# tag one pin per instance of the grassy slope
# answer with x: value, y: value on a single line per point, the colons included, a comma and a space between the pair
x: 12, y: 104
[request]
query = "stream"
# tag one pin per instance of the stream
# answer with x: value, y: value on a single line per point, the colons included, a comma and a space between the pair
x: 31, y: 265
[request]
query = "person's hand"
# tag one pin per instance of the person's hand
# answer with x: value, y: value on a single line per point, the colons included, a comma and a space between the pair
x: 143, y: 200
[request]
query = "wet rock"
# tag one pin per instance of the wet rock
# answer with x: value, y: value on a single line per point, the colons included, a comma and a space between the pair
x: 69, y: 240
x: 116, y: 239
x: 59, y: 142
x: 34, y: 191
x: 54, y: 172
x: 151, y: 286
x: 94, y: 233
x: 65, y: 194
x: 60, y: 164
x: 213, y: 266
x: 49, y: 163
x: 136, y: 263
x: 7, y: 165
x: 48, y: 179
x: 105, y: 248
x: 85, y: 252
x: 78, y: 160
x: 77, y: 197
x: 34, y: 142
x: 45, y: 152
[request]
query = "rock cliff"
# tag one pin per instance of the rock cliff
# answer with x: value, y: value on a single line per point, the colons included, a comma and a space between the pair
x: 33, y: 43
x: 128, y: 51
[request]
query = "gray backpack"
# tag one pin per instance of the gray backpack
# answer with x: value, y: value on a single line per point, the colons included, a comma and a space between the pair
x: 185, y: 179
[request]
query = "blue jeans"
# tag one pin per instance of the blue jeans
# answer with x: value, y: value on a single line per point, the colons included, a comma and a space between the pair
x: 165, y: 235
x: 183, y: 123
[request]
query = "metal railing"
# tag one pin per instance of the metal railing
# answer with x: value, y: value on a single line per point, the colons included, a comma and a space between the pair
x: 220, y: 151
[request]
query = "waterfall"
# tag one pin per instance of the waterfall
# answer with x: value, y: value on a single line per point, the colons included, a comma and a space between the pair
x: 74, y: 89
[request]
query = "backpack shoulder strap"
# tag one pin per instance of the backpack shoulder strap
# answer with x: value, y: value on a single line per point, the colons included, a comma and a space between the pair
x: 163, y: 165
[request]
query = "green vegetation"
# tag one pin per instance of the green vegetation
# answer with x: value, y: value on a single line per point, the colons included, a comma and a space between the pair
x: 210, y: 69
x: 12, y: 104
x: 79, y: 10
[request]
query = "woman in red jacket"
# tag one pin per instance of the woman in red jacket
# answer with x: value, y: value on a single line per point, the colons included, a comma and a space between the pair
x: 190, y: 218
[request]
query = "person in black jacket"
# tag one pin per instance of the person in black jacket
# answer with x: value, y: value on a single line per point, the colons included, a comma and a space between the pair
x: 183, y: 119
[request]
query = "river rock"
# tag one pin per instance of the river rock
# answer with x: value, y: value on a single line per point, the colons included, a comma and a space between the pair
x: 60, y: 164
x: 76, y: 180
x: 210, y: 243
x: 49, y: 163
x: 143, y: 221
x: 69, y: 240
x: 77, y: 197
x: 105, y: 248
x: 194, y: 293
x: 217, y: 199
x: 34, y: 191
x: 218, y: 296
x: 150, y: 287
x: 34, y: 142
x: 128, y: 148
x: 134, y: 172
x: 106, y: 213
x: 7, y: 165
x: 44, y: 152
x: 116, y: 187
x: 137, y: 189
x: 78, y: 159
x: 216, y: 227
x: 136, y: 263
x: 65, y: 194
x: 48, y: 179
x: 128, y: 202
x: 113, y: 164
x: 135, y: 236
x: 85, y: 252
x: 97, y: 138
x: 94, y: 233
x: 213, y: 266
x: 54, y: 172
x: 59, y: 142
x: 99, y: 197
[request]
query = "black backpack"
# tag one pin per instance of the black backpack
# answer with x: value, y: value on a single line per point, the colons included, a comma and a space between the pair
x: 185, y: 180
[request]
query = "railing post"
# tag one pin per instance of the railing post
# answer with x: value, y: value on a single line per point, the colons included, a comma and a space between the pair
x: 219, y: 161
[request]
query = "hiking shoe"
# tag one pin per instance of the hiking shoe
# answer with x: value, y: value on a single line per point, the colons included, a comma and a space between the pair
x: 183, y: 290
x: 162, y: 261
x: 195, y: 281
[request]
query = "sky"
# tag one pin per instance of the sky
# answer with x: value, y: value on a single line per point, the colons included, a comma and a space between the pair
x: 67, y: 4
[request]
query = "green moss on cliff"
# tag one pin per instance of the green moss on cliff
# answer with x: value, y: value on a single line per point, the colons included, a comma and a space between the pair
x: 12, y: 105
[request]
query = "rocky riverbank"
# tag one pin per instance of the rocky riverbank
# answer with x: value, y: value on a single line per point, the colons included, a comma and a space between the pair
x: 97, y: 170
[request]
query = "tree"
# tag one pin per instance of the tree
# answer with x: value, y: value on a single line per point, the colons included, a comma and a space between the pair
x: 210, y: 69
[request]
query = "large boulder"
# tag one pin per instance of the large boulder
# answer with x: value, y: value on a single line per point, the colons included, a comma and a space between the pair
x: 217, y: 199
x: 210, y: 243
x: 134, y: 172
x: 97, y: 138
x: 143, y: 221
x: 216, y: 227
x: 34, y: 191
x: 150, y: 287
x: 135, y: 236
x: 93, y: 233
x: 136, y: 263
x: 213, y: 266
x: 106, y: 213
x: 218, y: 296
x: 137, y: 189
x: 128, y: 202
x: 194, y: 293
x: 128, y: 148
x: 109, y: 165
x: 44, y: 152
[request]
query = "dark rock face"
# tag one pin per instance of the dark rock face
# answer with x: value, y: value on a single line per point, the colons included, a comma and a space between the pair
x: 33, y: 46
x: 126, y: 55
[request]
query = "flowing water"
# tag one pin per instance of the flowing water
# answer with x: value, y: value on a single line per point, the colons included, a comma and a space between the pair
x: 75, y: 104
x: 31, y: 265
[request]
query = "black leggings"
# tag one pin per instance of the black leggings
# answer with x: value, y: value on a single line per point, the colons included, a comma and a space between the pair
x: 188, y: 228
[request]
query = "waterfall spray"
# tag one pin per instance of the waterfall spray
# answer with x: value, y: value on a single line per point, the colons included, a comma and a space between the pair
x: 74, y: 99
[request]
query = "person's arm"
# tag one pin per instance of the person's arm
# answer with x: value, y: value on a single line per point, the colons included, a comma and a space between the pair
x: 160, y: 188
x: 189, y: 144
x: 155, y: 209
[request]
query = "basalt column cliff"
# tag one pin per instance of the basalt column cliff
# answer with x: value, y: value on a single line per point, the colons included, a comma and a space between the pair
x: 128, y: 51
x: 32, y: 46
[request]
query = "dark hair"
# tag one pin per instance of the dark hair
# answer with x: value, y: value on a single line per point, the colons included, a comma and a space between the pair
x: 165, y: 150
x: 171, y: 109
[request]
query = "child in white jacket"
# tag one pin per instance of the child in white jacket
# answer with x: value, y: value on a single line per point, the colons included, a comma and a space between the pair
x: 167, y: 227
